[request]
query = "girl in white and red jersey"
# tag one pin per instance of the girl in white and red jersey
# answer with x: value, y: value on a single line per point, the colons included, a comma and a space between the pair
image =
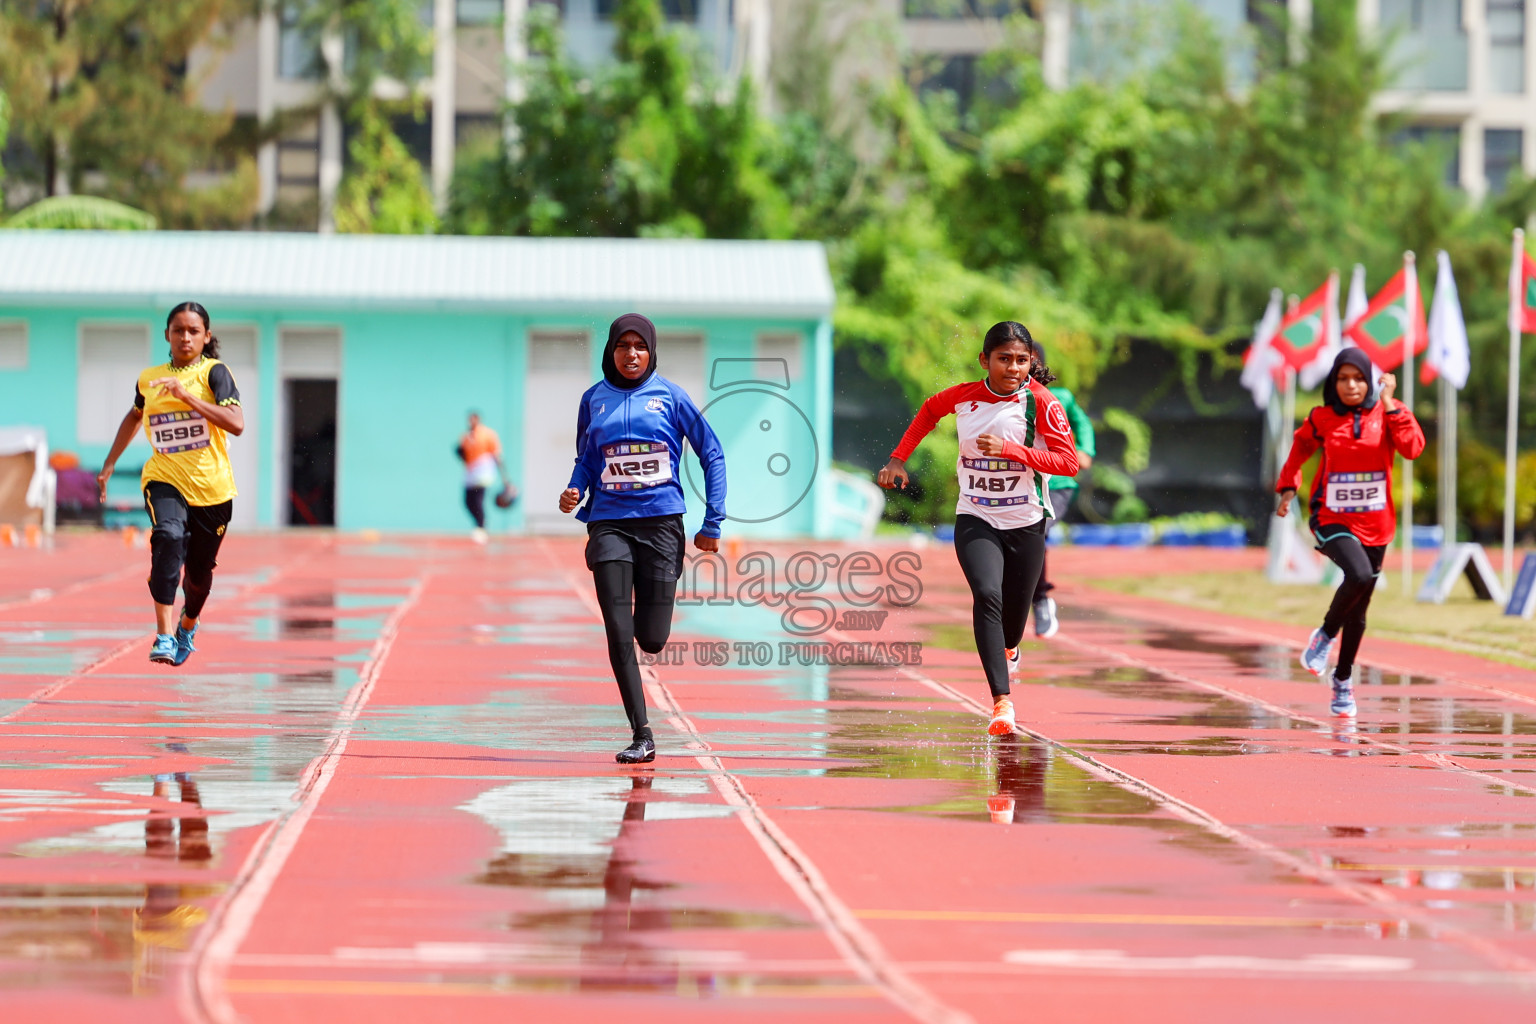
x: 1352, y: 516
x: 1013, y: 437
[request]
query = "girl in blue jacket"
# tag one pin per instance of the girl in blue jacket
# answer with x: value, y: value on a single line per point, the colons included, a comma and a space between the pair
x: 630, y: 431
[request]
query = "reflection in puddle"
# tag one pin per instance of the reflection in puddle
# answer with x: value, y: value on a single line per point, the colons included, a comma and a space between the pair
x: 115, y: 938
x: 575, y: 844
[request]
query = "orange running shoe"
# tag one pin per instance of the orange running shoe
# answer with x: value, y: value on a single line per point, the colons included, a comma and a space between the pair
x: 1002, y: 717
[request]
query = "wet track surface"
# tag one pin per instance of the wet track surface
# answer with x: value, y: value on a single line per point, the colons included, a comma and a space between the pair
x: 383, y: 788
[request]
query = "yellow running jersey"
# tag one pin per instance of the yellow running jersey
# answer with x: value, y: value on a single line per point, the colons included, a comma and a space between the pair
x: 190, y: 452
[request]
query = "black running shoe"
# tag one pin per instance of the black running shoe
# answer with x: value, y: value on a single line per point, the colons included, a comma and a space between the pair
x: 638, y: 752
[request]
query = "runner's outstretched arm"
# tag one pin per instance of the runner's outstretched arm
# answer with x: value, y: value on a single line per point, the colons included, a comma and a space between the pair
x: 701, y: 436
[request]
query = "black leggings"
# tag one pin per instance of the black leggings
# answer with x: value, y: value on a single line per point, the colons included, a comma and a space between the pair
x: 635, y: 610
x: 1002, y: 567
x: 1361, y: 565
x: 474, y: 500
x: 185, y: 539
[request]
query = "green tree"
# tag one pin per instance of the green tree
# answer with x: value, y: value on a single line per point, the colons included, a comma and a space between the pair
x: 649, y: 144
x: 384, y: 191
x: 100, y: 93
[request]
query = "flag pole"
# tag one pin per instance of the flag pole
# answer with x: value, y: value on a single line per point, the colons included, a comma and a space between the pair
x: 1512, y: 413
x: 1410, y: 274
x: 1448, y: 459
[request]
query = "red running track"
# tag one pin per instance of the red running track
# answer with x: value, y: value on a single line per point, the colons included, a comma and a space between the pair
x: 384, y: 789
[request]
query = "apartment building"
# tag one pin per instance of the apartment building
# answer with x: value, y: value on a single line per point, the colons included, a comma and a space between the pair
x: 1464, y: 70
x: 270, y: 70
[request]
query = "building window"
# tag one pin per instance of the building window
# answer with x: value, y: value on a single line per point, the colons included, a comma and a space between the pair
x: 951, y: 10
x: 675, y: 10
x: 13, y: 345
x: 479, y: 12
x: 1506, y: 46
x: 1430, y: 50
x: 1446, y: 140
x: 298, y: 54
x: 1501, y: 154
x: 111, y: 358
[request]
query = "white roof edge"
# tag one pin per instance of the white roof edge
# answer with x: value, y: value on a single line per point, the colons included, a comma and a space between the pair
x: 671, y: 277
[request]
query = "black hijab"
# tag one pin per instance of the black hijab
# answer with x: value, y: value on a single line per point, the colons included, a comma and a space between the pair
x: 1357, y: 358
x: 647, y: 331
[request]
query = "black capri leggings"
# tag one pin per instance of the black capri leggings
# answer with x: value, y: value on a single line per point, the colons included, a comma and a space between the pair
x: 1002, y: 567
x: 185, y: 540
x: 1346, y: 615
x: 636, y: 609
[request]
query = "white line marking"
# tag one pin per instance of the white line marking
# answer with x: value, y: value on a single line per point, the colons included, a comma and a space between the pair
x: 854, y: 943
x: 204, y: 996
x: 1369, y: 895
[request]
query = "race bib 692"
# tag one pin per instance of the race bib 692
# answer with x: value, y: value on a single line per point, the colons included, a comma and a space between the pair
x: 1356, y: 492
x: 172, y: 432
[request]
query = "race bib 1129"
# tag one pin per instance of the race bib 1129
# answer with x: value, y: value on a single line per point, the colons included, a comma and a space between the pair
x: 995, y: 483
x: 172, y: 432
x: 1356, y: 492
x: 636, y: 465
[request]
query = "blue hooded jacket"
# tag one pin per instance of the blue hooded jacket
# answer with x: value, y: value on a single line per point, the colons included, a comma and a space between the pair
x: 629, y: 442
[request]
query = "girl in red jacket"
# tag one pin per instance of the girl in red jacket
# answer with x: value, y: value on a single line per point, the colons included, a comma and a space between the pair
x: 1352, y: 513
x: 1013, y: 435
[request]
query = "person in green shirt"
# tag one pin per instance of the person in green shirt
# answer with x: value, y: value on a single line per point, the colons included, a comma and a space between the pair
x: 1062, y: 490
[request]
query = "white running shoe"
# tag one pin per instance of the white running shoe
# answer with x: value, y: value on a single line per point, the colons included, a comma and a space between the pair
x: 1315, y: 658
x: 1343, y: 698
x: 478, y: 535
x: 1013, y: 660
x: 1046, y: 623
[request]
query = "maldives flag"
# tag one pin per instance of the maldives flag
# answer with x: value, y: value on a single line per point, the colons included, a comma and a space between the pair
x: 1522, y: 295
x: 1306, y: 329
x: 1395, y: 311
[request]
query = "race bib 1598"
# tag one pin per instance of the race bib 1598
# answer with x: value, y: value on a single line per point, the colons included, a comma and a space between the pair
x: 995, y: 483
x: 172, y: 432
x: 1356, y: 492
x: 635, y: 465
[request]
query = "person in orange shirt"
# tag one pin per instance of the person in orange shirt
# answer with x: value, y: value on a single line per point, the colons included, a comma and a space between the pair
x: 480, y: 449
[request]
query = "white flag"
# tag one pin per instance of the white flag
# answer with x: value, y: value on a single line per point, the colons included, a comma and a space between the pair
x: 1312, y: 374
x: 1448, y: 354
x: 1354, y: 308
x: 1263, y: 360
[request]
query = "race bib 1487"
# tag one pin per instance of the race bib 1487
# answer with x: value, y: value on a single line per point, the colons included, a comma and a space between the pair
x: 995, y: 483
x: 172, y: 432
x: 635, y: 465
x: 1356, y: 492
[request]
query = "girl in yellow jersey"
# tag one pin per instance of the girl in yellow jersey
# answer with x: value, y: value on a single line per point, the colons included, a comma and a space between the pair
x: 187, y: 406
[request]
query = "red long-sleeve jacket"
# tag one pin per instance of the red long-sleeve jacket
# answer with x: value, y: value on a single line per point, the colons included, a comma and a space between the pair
x: 1353, y: 486
x: 1006, y: 490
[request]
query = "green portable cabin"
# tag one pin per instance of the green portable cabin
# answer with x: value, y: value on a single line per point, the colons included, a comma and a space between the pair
x: 358, y: 358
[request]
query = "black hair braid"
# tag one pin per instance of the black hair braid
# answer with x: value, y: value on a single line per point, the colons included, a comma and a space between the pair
x: 211, y: 349
x: 1037, y: 368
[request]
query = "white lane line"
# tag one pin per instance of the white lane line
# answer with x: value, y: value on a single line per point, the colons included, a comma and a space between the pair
x: 856, y: 944
x: 1439, y: 760
x: 53, y: 688
x: 204, y: 996
x: 1172, y: 621
x: 858, y: 948
x: 44, y: 594
x: 1370, y: 895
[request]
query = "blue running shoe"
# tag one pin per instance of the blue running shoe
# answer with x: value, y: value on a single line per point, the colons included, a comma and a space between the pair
x: 1315, y: 658
x: 184, y: 646
x: 164, y: 651
x: 1343, y: 698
